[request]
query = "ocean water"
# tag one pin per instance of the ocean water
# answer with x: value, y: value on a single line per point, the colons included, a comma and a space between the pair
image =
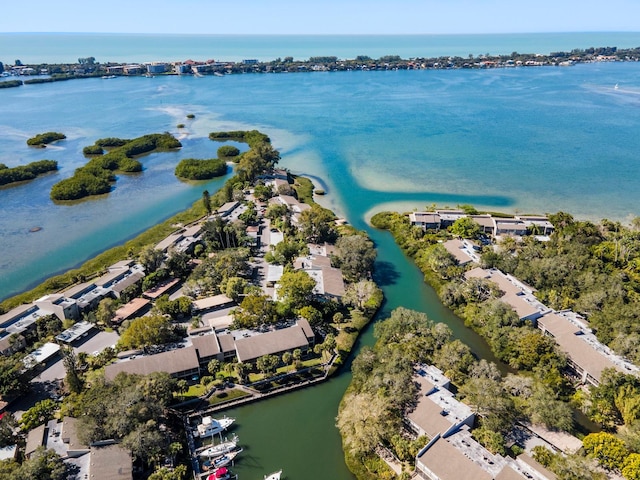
x: 529, y: 140
x: 68, y: 47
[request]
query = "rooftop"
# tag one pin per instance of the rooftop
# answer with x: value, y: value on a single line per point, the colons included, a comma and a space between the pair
x: 255, y: 346
x: 75, y: 332
x: 214, y: 301
x: 172, y: 362
x: 582, y: 346
x: 130, y: 309
x: 111, y: 462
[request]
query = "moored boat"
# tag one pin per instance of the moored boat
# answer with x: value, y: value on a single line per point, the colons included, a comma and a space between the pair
x: 274, y: 476
x: 220, y: 449
x: 211, y: 426
x: 225, y: 459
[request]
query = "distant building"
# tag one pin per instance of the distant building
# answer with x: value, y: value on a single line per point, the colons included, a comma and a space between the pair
x: 426, y: 220
x: 156, y: 67
x: 509, y: 226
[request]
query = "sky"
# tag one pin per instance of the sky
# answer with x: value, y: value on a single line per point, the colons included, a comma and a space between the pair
x: 321, y: 17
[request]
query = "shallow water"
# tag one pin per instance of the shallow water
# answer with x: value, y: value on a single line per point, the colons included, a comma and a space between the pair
x: 516, y: 140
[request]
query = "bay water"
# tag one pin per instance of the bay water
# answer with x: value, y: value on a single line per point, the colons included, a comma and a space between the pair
x: 531, y: 140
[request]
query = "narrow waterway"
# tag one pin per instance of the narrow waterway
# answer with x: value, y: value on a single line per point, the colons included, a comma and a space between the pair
x: 296, y: 432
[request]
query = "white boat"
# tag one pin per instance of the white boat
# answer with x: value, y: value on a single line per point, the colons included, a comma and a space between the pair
x: 273, y: 476
x: 106, y: 77
x: 220, y: 449
x: 225, y: 459
x: 211, y: 426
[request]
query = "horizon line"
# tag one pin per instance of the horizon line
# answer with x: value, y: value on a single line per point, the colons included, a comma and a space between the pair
x: 540, y: 32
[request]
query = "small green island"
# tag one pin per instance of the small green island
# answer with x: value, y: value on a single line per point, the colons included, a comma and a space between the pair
x: 43, y: 139
x: 25, y: 172
x: 228, y: 151
x: 195, y: 169
x: 98, y: 175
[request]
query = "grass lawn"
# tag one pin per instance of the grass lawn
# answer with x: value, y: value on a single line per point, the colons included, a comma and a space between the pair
x: 227, y: 396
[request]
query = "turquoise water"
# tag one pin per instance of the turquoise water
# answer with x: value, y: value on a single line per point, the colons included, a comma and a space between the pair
x: 68, y: 47
x: 526, y: 140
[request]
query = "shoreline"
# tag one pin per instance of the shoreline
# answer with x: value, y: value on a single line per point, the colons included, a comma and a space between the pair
x: 36, y: 73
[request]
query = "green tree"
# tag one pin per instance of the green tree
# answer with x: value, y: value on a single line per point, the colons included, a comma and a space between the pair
x: 355, y: 256
x: 364, y: 294
x: 263, y: 192
x: 287, y: 357
x: 311, y: 314
x: 544, y: 408
x: 234, y: 287
x: 256, y: 309
x: 8, y: 425
x: 267, y: 364
x: 145, y: 442
x: 226, y: 151
x: 178, y: 263
x: 295, y: 289
x: 329, y: 344
x: 465, y: 227
x: 213, y: 367
x: 608, y: 450
x: 631, y: 467
x: 43, y: 464
x: 483, y: 391
x: 146, y: 331
x: 492, y: 441
x: 317, y: 225
x: 73, y: 379
x: 165, y: 473
x: 150, y: 258
x: 364, y: 421
x: 106, y: 310
x: 40, y: 413
x: 206, y: 201
x: 242, y: 370
x: 182, y: 386
x: 12, y: 381
x: 47, y: 326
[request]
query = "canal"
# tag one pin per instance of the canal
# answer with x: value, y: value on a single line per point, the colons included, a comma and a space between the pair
x: 296, y: 431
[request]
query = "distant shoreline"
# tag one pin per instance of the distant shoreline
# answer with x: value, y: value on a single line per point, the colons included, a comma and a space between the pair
x: 22, y: 73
